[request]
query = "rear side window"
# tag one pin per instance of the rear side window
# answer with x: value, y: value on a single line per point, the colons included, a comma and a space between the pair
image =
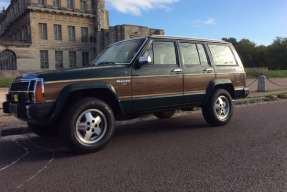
x: 193, y: 54
x: 222, y: 55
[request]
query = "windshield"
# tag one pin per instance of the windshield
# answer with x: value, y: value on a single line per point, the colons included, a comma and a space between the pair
x: 120, y: 53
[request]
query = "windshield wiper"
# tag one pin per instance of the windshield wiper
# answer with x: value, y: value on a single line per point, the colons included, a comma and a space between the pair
x: 106, y: 63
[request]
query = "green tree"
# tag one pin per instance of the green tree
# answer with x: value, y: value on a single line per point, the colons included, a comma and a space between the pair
x: 277, y: 53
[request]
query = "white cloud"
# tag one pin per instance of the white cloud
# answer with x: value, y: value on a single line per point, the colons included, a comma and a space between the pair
x: 210, y: 21
x: 4, y: 4
x: 135, y: 7
x: 198, y: 23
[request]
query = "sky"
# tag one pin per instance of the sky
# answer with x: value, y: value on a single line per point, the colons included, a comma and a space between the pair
x: 260, y: 21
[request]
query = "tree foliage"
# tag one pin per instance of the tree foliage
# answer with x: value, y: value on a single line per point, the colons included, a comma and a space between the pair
x: 273, y: 56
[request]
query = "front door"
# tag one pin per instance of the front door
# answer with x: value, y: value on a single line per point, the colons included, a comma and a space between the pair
x: 158, y: 85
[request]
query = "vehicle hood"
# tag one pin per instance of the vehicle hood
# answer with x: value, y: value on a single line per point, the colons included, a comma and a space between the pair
x: 81, y: 73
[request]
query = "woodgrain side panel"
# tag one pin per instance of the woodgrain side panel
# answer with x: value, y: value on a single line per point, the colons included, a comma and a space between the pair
x: 145, y: 86
x: 123, y: 88
x: 236, y: 78
x: 197, y: 82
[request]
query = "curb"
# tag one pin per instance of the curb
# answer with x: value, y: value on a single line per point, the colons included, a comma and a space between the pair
x: 22, y: 130
x: 14, y: 131
x: 249, y: 101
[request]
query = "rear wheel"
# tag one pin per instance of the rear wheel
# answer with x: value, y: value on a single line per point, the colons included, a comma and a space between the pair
x: 44, y: 131
x: 218, y: 111
x: 164, y: 114
x: 87, y: 126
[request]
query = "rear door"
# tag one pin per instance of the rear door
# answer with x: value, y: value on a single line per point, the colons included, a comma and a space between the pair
x: 227, y: 64
x: 197, y: 71
x: 158, y: 85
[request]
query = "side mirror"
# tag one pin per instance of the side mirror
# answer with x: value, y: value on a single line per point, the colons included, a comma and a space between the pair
x: 145, y: 60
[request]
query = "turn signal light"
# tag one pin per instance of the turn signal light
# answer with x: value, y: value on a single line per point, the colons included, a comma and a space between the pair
x: 39, y: 92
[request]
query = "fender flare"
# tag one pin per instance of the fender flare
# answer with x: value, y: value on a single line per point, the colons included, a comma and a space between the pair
x: 224, y: 83
x: 69, y: 89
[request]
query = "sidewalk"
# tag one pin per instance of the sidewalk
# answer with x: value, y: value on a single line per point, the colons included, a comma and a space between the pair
x: 10, y: 125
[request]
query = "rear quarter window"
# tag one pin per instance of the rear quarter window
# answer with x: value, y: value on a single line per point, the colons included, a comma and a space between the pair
x: 222, y: 54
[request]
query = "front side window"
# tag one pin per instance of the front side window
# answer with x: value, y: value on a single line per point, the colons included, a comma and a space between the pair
x: 84, y: 33
x: 70, y: 4
x: 71, y: 33
x: 44, y: 59
x: 120, y: 53
x: 72, y: 59
x: 222, y: 54
x: 162, y: 53
x: 58, y: 32
x: 43, y: 31
x: 56, y: 3
x: 59, y: 59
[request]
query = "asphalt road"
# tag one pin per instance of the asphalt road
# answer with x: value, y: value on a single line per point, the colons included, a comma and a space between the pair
x: 179, y: 154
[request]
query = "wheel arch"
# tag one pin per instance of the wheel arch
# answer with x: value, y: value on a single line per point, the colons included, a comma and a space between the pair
x: 225, y: 84
x: 72, y: 92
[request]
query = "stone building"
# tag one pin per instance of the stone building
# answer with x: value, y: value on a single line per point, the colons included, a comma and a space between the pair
x: 54, y: 34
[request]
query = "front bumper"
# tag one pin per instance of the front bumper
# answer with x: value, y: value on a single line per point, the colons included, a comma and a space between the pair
x: 32, y: 112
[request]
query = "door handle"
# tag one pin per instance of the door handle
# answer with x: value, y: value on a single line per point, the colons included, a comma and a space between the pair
x: 208, y: 70
x: 176, y: 70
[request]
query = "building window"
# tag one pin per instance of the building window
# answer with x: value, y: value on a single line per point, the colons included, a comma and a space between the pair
x: 71, y: 33
x: 70, y: 4
x: 59, y: 59
x: 43, y: 31
x: 58, y: 32
x: 41, y: 2
x: 44, y: 59
x: 84, y: 32
x: 56, y: 3
x: 85, y: 58
x: 83, y: 5
x: 72, y: 59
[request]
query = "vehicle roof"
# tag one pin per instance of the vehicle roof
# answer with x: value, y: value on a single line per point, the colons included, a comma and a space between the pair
x: 186, y: 38
x: 173, y: 38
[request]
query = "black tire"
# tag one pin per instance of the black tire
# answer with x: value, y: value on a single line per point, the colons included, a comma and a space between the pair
x: 87, y: 126
x: 218, y: 111
x: 44, y: 131
x: 164, y: 114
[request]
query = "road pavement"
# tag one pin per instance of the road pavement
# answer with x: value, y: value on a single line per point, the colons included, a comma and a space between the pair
x: 181, y: 154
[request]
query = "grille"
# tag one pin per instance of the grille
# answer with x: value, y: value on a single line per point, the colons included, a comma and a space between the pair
x: 19, y: 86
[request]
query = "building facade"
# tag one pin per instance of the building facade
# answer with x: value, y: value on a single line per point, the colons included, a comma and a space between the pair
x: 55, y: 34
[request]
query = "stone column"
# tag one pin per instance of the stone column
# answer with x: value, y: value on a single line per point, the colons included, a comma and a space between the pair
x: 261, y: 83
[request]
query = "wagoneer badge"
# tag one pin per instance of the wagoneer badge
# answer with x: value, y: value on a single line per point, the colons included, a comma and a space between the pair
x: 123, y: 82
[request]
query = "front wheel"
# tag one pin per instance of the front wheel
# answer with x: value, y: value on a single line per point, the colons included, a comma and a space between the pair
x: 218, y: 111
x: 88, y: 125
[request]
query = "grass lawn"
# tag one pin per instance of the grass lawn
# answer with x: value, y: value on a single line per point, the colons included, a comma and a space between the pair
x: 5, y: 82
x: 270, y: 74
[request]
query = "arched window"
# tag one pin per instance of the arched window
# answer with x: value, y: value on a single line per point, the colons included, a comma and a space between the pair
x: 8, y: 60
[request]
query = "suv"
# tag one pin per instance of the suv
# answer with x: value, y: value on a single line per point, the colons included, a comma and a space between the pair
x: 153, y: 74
